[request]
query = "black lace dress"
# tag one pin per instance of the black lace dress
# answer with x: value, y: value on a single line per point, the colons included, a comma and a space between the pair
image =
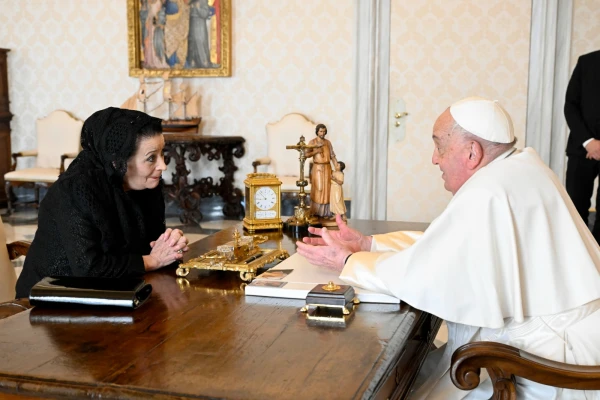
x: 87, y: 224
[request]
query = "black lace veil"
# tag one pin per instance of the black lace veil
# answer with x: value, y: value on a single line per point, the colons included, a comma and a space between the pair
x: 94, y: 181
x: 109, y: 137
x: 88, y: 225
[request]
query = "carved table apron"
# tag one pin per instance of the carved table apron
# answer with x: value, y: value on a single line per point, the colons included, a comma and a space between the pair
x: 188, y: 195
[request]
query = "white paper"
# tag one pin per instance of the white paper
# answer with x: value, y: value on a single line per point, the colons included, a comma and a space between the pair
x: 304, y: 278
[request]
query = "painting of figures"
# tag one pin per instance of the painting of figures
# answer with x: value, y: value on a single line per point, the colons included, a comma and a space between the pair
x: 183, y: 37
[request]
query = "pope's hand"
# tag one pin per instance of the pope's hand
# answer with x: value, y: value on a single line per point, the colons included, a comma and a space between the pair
x: 348, y: 237
x: 331, y: 254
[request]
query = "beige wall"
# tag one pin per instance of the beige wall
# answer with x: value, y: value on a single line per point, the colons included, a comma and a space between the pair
x: 586, y: 29
x: 292, y: 56
x: 287, y: 56
x: 443, y: 50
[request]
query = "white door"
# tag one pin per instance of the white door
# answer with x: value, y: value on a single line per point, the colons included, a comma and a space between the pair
x: 442, y: 51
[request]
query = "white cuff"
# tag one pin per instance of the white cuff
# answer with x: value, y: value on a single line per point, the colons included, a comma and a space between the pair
x: 360, y: 270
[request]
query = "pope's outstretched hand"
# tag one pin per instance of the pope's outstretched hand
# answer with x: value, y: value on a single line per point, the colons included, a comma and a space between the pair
x: 331, y: 249
x: 350, y: 238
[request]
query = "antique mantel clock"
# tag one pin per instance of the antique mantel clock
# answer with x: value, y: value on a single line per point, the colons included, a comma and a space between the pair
x: 263, y: 202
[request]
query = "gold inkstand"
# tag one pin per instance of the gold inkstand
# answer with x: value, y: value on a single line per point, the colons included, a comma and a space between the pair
x: 241, y: 255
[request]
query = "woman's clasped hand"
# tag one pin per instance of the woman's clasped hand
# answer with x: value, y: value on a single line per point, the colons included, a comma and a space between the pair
x: 169, y: 247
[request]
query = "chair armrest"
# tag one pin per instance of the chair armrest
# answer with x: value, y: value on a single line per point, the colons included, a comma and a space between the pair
x: 17, y: 249
x: 504, y: 362
x: 13, y: 307
x: 63, y: 158
x: 261, y: 161
x: 24, y: 153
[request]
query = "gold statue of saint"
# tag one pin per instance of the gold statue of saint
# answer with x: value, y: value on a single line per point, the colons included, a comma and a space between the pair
x: 320, y: 177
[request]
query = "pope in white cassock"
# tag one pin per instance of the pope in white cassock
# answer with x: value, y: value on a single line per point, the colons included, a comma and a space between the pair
x: 509, y: 260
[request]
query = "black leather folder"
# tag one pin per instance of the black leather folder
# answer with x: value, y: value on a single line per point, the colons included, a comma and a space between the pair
x: 112, y: 292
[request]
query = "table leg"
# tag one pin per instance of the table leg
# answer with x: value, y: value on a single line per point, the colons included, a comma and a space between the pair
x: 180, y: 190
x: 188, y: 195
x: 232, y: 196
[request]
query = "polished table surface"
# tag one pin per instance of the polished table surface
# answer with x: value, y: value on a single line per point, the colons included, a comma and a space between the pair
x: 202, y: 338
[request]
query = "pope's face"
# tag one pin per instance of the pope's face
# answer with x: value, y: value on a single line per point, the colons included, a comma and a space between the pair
x: 145, y: 167
x: 322, y: 132
x: 449, y: 153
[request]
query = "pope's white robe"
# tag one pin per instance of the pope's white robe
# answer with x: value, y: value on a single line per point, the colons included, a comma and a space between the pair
x: 509, y: 260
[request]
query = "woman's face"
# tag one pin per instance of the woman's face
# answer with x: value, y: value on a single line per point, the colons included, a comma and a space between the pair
x: 145, y: 167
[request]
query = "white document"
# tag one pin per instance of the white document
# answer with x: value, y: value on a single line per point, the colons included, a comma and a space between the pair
x: 302, y: 280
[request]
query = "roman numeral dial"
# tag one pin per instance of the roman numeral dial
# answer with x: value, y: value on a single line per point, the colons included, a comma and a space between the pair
x: 265, y: 198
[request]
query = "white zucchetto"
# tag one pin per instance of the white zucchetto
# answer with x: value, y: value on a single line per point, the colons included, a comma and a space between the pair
x: 484, y: 118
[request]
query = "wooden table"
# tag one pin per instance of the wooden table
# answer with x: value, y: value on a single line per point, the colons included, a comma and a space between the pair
x: 191, y: 146
x: 204, y: 339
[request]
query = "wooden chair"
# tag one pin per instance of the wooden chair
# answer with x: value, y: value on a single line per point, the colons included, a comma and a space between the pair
x: 284, y: 163
x: 58, y: 138
x: 504, y: 363
x: 8, y: 278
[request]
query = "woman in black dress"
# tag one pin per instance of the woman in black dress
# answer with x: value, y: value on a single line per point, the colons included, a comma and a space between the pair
x: 105, y: 216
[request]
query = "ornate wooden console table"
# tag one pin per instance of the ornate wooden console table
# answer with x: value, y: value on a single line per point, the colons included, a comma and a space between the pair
x: 178, y: 146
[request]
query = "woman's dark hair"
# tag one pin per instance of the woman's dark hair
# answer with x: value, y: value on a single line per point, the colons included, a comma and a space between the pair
x: 319, y: 127
x: 149, y: 130
x: 342, y: 165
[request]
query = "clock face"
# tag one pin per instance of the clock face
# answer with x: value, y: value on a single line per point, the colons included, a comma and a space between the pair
x: 265, y: 198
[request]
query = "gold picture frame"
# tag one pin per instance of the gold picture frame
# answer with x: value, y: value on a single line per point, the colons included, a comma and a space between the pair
x: 159, y: 37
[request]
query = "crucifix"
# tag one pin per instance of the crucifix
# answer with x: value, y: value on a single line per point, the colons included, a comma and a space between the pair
x: 302, y: 217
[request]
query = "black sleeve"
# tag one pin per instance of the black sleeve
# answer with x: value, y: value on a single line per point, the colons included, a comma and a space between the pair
x: 83, y: 235
x: 573, y: 113
x: 152, y: 205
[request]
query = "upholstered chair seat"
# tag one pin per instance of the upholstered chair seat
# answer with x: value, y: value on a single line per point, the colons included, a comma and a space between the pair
x: 46, y: 175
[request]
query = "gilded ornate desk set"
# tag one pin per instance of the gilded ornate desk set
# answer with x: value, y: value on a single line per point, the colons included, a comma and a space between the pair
x: 240, y: 255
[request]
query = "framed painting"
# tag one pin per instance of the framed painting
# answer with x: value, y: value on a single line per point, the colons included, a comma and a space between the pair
x: 185, y: 38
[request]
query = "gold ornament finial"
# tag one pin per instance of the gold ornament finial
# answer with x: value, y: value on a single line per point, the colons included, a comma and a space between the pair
x: 331, y: 287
